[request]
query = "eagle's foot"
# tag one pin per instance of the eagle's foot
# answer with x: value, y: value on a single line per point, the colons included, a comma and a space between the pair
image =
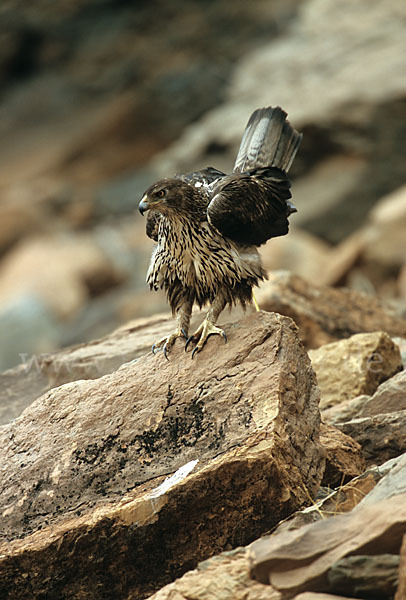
x: 167, y: 342
x: 200, y: 336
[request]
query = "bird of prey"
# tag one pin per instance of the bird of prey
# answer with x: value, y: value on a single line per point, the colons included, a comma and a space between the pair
x: 207, y: 226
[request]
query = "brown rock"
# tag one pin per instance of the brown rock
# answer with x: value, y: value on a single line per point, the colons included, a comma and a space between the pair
x: 320, y: 596
x: 63, y: 272
x: 344, y: 458
x: 326, y: 314
x: 300, y: 252
x: 298, y: 561
x: 16, y: 220
x: 402, y: 282
x: 389, y: 397
x: 385, y: 233
x: 378, y: 247
x: 342, y: 260
x: 381, y: 436
x: 388, y: 478
x: 355, y: 366
x: 83, y: 462
x: 401, y: 591
x: 39, y: 373
x: 225, y: 576
x: 393, y: 483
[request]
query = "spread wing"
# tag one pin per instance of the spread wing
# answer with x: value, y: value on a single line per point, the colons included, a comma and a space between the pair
x: 252, y: 204
x: 250, y: 208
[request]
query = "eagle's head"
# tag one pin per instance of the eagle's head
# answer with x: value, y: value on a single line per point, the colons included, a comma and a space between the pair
x: 168, y: 196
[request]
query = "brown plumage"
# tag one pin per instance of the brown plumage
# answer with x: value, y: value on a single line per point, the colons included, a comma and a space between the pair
x: 207, y: 225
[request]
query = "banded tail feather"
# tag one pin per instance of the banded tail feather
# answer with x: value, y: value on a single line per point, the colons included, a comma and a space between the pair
x: 269, y: 140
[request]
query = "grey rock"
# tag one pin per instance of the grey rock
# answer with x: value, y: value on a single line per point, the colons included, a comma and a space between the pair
x: 392, y: 484
x: 382, y: 436
x: 365, y: 576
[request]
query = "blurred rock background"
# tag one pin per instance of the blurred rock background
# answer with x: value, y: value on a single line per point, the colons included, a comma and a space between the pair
x: 100, y: 98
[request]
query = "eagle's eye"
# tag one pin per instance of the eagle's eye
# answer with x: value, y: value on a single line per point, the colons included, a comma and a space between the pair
x: 160, y: 193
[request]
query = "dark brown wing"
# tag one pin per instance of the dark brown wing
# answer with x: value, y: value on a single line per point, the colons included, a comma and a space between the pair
x: 252, y: 205
x: 250, y: 208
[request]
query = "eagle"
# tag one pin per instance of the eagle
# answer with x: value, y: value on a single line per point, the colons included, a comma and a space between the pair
x: 207, y: 226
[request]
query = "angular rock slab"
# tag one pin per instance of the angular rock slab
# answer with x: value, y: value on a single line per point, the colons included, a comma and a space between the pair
x: 80, y: 464
x: 389, y: 397
x: 382, y: 437
x: 225, y: 577
x: 344, y: 458
x: 355, y: 366
x: 301, y: 560
x: 325, y: 314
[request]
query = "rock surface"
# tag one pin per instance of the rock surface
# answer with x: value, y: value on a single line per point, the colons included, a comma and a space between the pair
x: 389, y: 397
x: 365, y: 576
x: 227, y: 575
x: 346, y: 497
x: 344, y: 458
x: 39, y: 373
x: 401, y: 591
x: 90, y: 454
x: 382, y: 436
x: 325, y: 314
x: 354, y: 366
x: 377, y: 529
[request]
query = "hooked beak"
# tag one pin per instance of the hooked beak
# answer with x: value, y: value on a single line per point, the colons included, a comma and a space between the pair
x: 143, y: 205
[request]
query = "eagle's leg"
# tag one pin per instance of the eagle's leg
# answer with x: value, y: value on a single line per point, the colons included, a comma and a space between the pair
x: 208, y: 326
x: 182, y: 330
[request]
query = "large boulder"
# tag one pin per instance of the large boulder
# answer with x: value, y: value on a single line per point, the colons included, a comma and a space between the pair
x: 119, y: 484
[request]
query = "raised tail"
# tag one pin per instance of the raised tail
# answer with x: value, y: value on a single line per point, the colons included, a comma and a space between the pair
x: 269, y: 140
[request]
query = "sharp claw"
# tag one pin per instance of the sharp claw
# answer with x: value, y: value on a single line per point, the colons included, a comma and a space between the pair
x: 165, y: 351
x: 184, y: 333
x: 196, y: 349
x: 188, y: 342
x: 154, y: 349
x: 224, y: 336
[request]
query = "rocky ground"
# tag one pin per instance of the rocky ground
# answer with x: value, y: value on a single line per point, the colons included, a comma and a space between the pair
x: 105, y: 495
x: 268, y: 468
